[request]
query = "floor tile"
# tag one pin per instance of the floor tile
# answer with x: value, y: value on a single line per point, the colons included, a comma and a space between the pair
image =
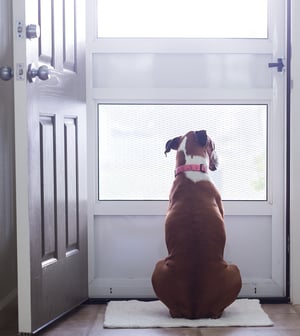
x: 87, y: 320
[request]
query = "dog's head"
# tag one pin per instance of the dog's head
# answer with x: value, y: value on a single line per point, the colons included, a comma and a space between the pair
x: 193, y: 144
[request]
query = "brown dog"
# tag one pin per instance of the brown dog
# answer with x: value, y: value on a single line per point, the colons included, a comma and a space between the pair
x: 194, y: 281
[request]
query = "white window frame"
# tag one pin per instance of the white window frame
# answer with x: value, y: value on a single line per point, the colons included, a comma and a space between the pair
x: 167, y: 96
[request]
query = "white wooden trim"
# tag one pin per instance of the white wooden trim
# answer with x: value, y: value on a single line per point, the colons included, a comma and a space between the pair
x: 155, y: 208
x: 180, y: 46
x: 111, y: 288
x: 91, y: 135
x: 295, y: 157
x: 189, y: 95
x: 21, y: 164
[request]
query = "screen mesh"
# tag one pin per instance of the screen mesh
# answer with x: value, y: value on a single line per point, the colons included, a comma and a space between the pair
x: 132, y: 164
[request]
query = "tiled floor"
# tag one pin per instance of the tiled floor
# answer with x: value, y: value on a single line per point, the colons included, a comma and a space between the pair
x: 87, y: 320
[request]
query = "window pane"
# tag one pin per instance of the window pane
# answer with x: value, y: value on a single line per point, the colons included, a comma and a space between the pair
x: 132, y: 164
x: 183, y: 18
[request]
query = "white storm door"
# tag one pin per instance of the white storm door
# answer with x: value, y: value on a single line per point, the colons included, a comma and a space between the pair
x: 132, y: 74
x: 50, y: 140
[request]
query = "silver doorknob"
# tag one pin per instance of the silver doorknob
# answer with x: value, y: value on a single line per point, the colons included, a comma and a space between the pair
x: 43, y: 73
x: 6, y: 73
x: 33, y: 31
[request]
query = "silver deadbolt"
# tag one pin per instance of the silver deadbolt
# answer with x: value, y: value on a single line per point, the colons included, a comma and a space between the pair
x: 6, y: 73
x: 33, y: 31
x: 43, y: 73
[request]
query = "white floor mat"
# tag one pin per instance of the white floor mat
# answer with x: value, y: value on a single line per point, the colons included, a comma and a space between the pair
x: 154, y: 314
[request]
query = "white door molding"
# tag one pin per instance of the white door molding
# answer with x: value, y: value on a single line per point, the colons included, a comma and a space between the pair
x: 295, y: 157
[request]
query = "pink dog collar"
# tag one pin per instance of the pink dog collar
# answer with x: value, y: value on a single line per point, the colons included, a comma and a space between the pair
x: 191, y: 167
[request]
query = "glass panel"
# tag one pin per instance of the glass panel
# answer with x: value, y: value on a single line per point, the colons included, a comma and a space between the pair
x: 183, y: 19
x: 208, y: 71
x: 132, y: 164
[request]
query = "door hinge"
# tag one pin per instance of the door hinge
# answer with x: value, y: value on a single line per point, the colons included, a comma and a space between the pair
x: 20, y: 29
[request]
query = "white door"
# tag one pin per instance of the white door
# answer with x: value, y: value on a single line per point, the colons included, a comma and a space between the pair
x: 146, y: 88
x: 50, y: 140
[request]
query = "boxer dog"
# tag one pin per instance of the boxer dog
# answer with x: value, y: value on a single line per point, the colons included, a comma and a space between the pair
x: 194, y: 281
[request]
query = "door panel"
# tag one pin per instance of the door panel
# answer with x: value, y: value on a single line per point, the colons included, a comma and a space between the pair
x: 69, y: 36
x: 46, y: 24
x: 48, y: 220
x: 71, y: 168
x: 54, y: 140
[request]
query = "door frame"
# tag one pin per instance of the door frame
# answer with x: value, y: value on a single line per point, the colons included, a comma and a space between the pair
x: 92, y: 93
x: 21, y: 178
x: 294, y: 155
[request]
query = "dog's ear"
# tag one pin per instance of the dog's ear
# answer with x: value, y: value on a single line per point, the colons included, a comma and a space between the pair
x: 201, y: 137
x: 172, y: 144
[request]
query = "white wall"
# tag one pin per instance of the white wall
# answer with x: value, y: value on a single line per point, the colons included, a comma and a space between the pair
x: 295, y: 155
x: 7, y: 218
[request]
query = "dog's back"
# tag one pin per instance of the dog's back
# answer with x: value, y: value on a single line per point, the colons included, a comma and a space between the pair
x: 194, y: 221
x: 194, y: 281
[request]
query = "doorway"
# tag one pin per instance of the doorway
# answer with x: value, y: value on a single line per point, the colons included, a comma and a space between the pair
x: 133, y: 71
